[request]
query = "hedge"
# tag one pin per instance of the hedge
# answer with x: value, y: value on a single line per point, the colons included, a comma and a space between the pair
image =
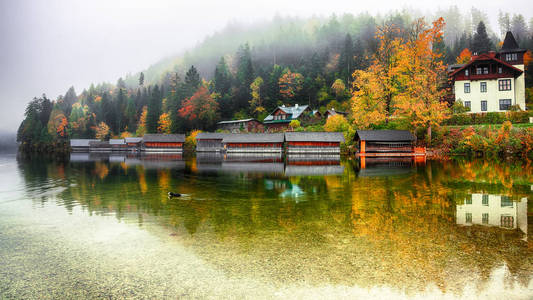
x: 489, y: 118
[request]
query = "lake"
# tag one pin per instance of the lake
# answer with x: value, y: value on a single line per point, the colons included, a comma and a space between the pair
x: 100, y: 226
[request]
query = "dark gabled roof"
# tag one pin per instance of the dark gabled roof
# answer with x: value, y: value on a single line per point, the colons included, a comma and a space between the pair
x: 81, y: 142
x: 314, y: 137
x: 168, y: 138
x: 385, y: 136
x: 210, y: 136
x: 236, y: 121
x: 484, y: 57
x: 510, y: 44
x: 253, y: 138
x: 133, y: 139
x: 294, y: 111
x: 117, y: 142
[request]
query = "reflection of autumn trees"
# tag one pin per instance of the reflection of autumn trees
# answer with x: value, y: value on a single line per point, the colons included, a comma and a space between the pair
x: 397, y: 231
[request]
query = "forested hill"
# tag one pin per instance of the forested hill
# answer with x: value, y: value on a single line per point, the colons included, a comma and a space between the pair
x: 246, y: 71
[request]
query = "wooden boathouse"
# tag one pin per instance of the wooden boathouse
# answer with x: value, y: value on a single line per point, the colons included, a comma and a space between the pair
x: 133, y: 143
x: 81, y: 145
x: 99, y: 146
x: 163, y: 142
x: 314, y: 142
x: 253, y: 143
x: 387, y: 143
x: 118, y: 145
x: 209, y: 142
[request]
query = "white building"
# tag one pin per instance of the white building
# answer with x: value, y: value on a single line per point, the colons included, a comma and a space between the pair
x: 494, y: 81
x: 493, y: 210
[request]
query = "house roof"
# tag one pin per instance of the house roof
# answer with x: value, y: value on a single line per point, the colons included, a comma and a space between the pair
x: 335, y: 112
x: 210, y: 136
x: 99, y: 144
x: 168, y: 138
x: 81, y: 142
x: 253, y: 138
x: 236, y: 121
x: 484, y: 57
x: 385, y: 136
x: 117, y: 142
x: 314, y: 137
x: 294, y: 111
x: 510, y: 44
x: 133, y: 139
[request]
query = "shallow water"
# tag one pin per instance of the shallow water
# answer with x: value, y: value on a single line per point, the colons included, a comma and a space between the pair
x: 264, y: 227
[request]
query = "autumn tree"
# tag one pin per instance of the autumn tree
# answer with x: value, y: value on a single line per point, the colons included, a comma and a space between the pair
x: 290, y: 84
x: 201, y: 110
x: 164, y: 123
x: 141, y: 126
x: 464, y: 57
x: 256, y: 104
x: 102, y: 131
x: 336, y: 123
x: 338, y: 87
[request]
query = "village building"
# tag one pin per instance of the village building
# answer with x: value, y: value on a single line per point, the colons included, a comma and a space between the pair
x: 332, y: 112
x: 209, y: 142
x: 492, y: 82
x: 245, y: 125
x: 81, y: 145
x: 387, y: 143
x: 163, y: 142
x: 254, y: 143
x: 314, y: 142
x: 282, y: 116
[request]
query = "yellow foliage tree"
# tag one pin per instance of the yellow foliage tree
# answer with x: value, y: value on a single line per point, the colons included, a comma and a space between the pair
x: 338, y: 87
x: 336, y: 123
x: 102, y: 131
x: 141, y: 127
x: 164, y: 123
x: 190, y: 141
x: 464, y: 57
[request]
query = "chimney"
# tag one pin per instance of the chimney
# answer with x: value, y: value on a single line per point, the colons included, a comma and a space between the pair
x: 283, y: 105
x: 333, y: 108
x: 296, y: 105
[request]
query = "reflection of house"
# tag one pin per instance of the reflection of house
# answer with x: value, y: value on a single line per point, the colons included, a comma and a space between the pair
x: 254, y: 143
x: 282, y: 116
x: 209, y: 142
x: 386, y: 166
x: 81, y: 145
x: 313, y: 142
x: 386, y: 143
x: 247, y: 125
x: 492, y: 82
x: 493, y: 210
x: 163, y: 142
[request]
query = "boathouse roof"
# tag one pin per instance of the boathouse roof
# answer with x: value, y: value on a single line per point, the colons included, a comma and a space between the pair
x: 133, y: 139
x: 117, y: 142
x: 236, y: 121
x: 254, y: 138
x: 385, y: 136
x: 314, y: 137
x: 164, y: 138
x: 210, y: 136
x: 81, y: 142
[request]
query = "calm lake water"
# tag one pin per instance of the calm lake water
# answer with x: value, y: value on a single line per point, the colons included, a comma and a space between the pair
x: 100, y: 226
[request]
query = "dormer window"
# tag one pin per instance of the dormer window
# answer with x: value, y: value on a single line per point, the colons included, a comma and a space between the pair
x: 500, y: 70
x: 466, y: 72
x: 485, y: 70
x: 511, y: 56
x: 478, y: 70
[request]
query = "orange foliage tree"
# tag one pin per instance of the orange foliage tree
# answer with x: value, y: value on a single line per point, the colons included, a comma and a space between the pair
x: 464, y: 57
x: 141, y: 127
x: 200, y: 109
x: 164, y: 123
x: 102, y: 131
x: 290, y: 84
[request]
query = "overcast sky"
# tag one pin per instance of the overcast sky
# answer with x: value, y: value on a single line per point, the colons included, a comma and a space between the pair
x: 47, y: 46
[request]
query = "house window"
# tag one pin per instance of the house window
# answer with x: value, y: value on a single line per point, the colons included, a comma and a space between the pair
x: 466, y: 72
x: 485, y: 218
x: 507, y: 221
x: 478, y: 70
x: 468, y: 105
x: 505, y: 104
x: 483, y: 87
x: 468, y: 218
x: 506, y: 201
x: 467, y: 88
x: 485, y: 200
x: 468, y: 199
x: 500, y: 70
x: 485, y: 70
x: 483, y: 108
x: 504, y: 85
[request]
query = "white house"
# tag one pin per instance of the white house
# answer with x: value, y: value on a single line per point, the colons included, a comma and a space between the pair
x: 494, y: 81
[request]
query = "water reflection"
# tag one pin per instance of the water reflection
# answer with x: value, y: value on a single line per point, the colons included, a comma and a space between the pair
x: 318, y: 221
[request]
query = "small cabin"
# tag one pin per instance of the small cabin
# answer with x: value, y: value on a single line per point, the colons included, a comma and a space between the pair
x: 314, y: 142
x: 253, y: 143
x: 209, y: 142
x: 235, y: 126
x: 332, y: 112
x: 133, y: 143
x: 163, y: 142
x: 282, y: 116
x: 386, y: 143
x: 118, y: 145
x: 99, y: 146
x: 81, y: 145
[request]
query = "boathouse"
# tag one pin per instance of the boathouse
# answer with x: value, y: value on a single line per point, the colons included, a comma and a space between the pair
x: 118, y: 145
x: 163, y: 142
x: 254, y: 143
x: 209, y: 142
x: 246, y: 125
x: 314, y: 142
x: 133, y: 143
x: 387, y: 143
x: 81, y: 145
x: 99, y: 146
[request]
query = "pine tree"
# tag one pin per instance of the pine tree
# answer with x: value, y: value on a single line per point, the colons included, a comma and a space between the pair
x: 192, y: 81
x: 141, y: 79
x: 154, y: 110
x: 222, y: 77
x: 346, y: 63
x: 481, y: 42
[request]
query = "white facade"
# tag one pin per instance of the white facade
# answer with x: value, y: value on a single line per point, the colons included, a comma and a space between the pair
x: 493, y: 210
x: 492, y: 95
